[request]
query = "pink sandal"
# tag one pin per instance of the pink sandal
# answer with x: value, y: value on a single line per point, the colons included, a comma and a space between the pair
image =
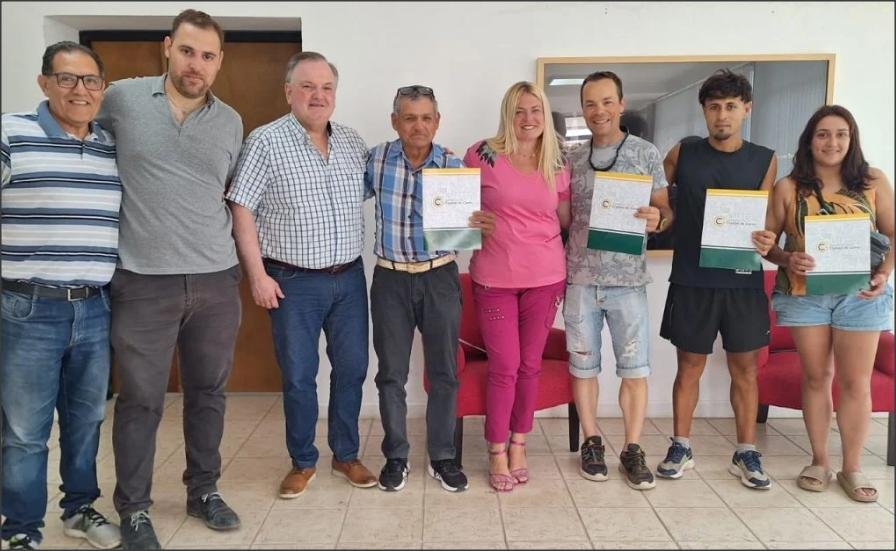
x: 500, y: 482
x: 521, y: 475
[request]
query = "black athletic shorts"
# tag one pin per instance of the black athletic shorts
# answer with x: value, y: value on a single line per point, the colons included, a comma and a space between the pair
x: 695, y: 315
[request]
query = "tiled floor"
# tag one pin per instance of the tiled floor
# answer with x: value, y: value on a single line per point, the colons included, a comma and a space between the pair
x: 558, y: 509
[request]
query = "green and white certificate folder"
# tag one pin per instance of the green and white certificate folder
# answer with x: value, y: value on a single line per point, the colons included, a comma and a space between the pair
x: 613, y: 225
x: 840, y: 244
x: 450, y: 196
x: 729, y: 219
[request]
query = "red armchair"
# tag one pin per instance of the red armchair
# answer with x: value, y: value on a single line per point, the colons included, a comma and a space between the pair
x: 779, y: 375
x: 472, y: 373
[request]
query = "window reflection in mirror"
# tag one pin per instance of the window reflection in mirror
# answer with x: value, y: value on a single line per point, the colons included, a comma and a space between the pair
x: 662, y: 106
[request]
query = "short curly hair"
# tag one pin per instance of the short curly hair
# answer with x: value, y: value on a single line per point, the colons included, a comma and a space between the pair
x: 726, y: 84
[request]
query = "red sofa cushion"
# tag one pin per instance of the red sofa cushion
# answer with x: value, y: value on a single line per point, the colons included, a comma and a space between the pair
x: 780, y: 337
x: 779, y: 374
x: 883, y: 362
x: 780, y: 380
x: 469, y: 323
x: 472, y: 364
x: 553, y: 386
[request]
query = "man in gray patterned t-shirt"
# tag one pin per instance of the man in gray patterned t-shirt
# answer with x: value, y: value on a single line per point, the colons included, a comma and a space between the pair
x: 609, y: 285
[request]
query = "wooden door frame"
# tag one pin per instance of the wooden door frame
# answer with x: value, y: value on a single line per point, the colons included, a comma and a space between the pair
x: 87, y: 37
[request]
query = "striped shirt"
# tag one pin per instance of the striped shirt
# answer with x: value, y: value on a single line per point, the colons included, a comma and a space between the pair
x: 60, y: 198
x: 399, y: 200
x: 308, y: 210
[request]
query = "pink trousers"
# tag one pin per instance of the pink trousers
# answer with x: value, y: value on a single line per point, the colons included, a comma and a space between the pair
x: 515, y: 325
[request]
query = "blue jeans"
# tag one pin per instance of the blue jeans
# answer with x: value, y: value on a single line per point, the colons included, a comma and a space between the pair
x: 625, y: 311
x: 844, y: 312
x: 336, y: 303
x: 55, y: 355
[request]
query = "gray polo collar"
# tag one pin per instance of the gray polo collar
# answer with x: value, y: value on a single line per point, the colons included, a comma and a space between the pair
x: 158, y: 87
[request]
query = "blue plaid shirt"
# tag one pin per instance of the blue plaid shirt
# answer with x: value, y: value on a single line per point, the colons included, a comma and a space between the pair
x: 308, y: 210
x: 399, y: 207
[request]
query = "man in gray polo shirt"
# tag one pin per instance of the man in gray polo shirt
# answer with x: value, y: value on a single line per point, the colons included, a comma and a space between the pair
x: 178, y: 275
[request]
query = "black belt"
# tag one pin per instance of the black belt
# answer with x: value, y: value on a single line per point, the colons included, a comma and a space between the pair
x: 42, y: 291
x: 338, y: 268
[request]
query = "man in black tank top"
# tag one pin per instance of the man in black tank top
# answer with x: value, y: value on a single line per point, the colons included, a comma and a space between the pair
x: 703, y: 302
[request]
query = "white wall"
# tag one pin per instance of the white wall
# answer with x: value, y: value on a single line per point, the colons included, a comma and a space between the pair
x: 471, y: 52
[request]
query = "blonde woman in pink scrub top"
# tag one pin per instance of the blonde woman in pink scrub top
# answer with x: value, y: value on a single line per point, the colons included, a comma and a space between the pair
x: 519, y: 274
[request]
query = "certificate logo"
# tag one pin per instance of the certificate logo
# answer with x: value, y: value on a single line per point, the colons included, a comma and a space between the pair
x: 720, y: 220
x: 606, y: 203
x: 824, y: 246
x: 438, y: 201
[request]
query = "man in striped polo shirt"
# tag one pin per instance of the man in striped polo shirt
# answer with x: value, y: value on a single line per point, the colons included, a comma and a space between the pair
x: 60, y: 194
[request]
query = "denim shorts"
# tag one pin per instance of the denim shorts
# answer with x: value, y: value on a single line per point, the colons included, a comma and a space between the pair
x: 844, y: 312
x: 625, y: 311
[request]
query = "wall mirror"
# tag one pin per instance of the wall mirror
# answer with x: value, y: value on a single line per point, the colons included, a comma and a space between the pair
x: 662, y: 106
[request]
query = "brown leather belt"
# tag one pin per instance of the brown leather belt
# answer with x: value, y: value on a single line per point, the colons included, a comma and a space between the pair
x: 336, y: 269
x: 42, y: 291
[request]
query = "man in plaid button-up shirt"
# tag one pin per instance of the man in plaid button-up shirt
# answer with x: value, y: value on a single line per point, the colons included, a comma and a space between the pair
x: 413, y: 288
x: 297, y: 199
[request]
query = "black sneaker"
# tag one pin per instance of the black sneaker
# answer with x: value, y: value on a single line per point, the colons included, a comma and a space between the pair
x: 634, y: 467
x: 212, y: 509
x: 594, y: 466
x: 394, y: 475
x: 137, y: 532
x: 445, y: 470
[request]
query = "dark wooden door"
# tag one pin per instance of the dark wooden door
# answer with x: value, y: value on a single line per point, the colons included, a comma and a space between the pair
x: 250, y: 81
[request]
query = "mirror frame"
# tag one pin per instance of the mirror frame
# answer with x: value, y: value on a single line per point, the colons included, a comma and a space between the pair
x: 606, y: 63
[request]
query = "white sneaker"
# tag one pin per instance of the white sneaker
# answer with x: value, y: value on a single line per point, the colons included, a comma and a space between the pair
x: 91, y: 525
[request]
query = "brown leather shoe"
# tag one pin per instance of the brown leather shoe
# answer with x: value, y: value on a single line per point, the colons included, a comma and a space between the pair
x: 296, y: 482
x: 356, y: 473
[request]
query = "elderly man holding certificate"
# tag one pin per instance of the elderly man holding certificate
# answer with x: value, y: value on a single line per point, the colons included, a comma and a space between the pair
x: 830, y: 290
x: 419, y: 185
x: 614, y: 180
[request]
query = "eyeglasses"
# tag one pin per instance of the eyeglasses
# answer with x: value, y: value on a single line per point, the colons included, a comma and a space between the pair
x: 415, y: 90
x: 615, y: 156
x: 70, y: 80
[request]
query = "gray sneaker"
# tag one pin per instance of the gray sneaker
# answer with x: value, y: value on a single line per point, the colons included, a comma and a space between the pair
x: 748, y: 468
x: 23, y: 541
x: 137, y: 532
x: 678, y: 460
x: 89, y: 524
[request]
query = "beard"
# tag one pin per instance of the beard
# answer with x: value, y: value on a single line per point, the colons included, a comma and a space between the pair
x: 722, y: 135
x: 186, y: 90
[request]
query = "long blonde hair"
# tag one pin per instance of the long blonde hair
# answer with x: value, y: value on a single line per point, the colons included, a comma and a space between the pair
x: 550, y: 159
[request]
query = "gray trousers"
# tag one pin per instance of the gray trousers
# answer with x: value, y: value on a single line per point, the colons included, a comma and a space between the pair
x: 399, y: 303
x: 151, y: 314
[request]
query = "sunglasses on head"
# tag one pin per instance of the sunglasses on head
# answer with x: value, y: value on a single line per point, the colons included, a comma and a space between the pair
x: 415, y: 90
